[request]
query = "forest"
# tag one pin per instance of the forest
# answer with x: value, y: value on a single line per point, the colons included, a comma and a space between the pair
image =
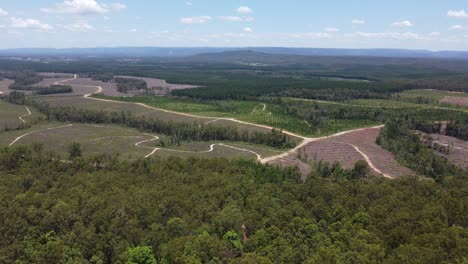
x: 102, y: 210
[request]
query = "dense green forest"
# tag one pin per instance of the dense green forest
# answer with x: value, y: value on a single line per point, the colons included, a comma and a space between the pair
x: 101, y: 210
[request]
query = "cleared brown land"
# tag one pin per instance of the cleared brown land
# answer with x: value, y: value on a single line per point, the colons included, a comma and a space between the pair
x: 455, y: 100
x: 81, y: 86
x: 345, y: 150
x: 4, y: 86
x: 161, y: 87
x: 458, y: 154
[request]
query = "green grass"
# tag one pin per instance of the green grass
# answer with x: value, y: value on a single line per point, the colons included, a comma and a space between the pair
x: 10, y: 113
x: 110, y: 139
x: 248, y: 111
x: 431, y: 97
x: 385, y: 103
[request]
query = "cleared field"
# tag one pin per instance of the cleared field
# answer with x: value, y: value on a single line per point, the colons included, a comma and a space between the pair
x: 458, y: 154
x: 94, y: 139
x: 4, y: 83
x: 13, y: 116
x: 161, y: 87
x: 128, y: 143
x: 82, y: 86
x: 455, y: 100
x: 347, y: 149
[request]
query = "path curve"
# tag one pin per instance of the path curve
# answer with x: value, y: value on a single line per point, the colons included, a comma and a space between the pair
x: 367, y: 159
x: 35, y: 131
x: 28, y: 114
x: 154, y: 138
x: 99, y: 90
x: 305, y: 140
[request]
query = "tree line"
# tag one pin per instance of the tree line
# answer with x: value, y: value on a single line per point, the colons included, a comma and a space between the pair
x: 178, y: 131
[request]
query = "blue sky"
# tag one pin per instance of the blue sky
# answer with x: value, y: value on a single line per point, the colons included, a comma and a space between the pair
x: 412, y: 24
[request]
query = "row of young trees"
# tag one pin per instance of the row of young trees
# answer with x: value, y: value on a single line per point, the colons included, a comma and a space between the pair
x: 39, y: 90
x: 102, y: 210
x: 179, y: 131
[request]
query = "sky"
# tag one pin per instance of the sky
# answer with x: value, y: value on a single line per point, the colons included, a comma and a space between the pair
x: 408, y: 24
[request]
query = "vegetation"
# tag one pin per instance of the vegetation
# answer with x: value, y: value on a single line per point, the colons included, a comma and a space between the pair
x: 101, y: 210
x: 125, y: 85
x: 412, y: 153
x: 22, y: 78
x: 177, y: 131
x: 53, y: 89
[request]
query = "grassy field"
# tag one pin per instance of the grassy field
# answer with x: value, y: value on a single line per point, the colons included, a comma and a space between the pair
x: 97, y: 139
x: 248, y: 111
x: 10, y: 115
x: 429, y: 97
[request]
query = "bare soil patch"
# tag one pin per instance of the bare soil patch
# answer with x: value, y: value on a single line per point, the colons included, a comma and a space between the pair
x: 455, y: 100
x: 4, y: 86
x: 342, y: 149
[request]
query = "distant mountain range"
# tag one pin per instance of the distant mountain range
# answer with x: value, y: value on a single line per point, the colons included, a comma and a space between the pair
x: 184, y: 52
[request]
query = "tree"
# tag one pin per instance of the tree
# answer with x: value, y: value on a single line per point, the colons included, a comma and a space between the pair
x: 361, y: 170
x: 74, y: 150
x: 234, y: 239
x: 140, y: 255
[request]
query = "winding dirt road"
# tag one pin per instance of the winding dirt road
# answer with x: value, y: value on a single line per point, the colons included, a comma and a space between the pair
x: 23, y: 116
x: 305, y: 140
x: 35, y: 131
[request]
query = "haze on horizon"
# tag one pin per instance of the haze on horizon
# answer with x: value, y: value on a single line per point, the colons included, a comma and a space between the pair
x: 431, y: 25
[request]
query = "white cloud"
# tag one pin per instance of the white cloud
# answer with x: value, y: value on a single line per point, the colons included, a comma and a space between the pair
x: 188, y: 3
x: 3, y: 13
x: 248, y: 29
x: 434, y: 34
x: 83, y: 7
x: 358, y: 22
x: 313, y: 35
x: 80, y: 26
x: 195, y: 20
x: 231, y: 18
x: 28, y: 24
x: 133, y: 30
x: 386, y: 35
x: 114, y: 6
x: 404, y: 23
x: 331, y: 30
x: 456, y: 27
x: 457, y: 14
x: 249, y: 19
x: 244, y: 10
